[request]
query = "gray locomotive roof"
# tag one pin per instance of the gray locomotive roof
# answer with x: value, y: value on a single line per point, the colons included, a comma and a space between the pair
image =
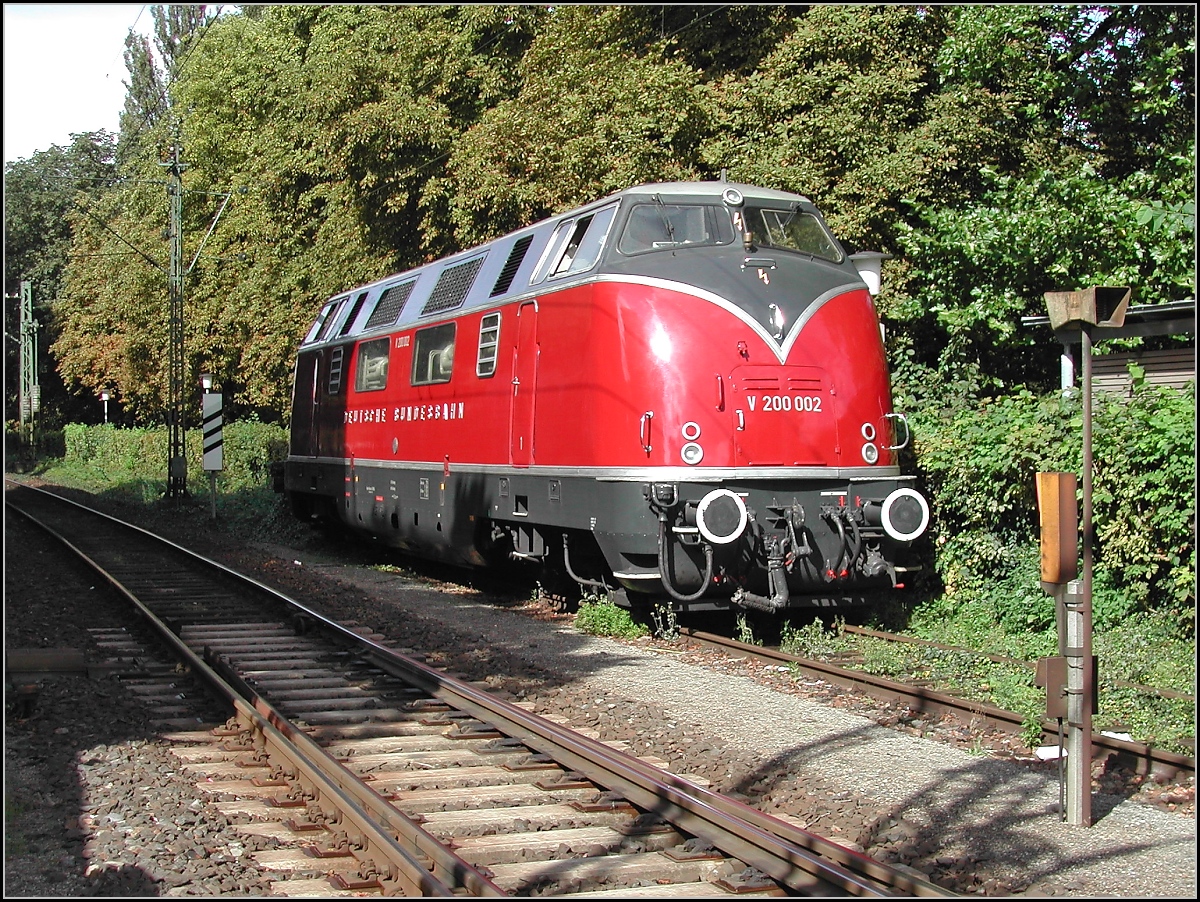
x: 495, y: 252
x: 713, y: 189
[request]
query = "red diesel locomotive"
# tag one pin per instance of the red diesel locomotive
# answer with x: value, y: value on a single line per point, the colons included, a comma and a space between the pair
x: 677, y: 393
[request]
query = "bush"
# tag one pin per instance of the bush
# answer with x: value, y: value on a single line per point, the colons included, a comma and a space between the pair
x: 1144, y: 497
x: 248, y: 448
x: 979, y: 463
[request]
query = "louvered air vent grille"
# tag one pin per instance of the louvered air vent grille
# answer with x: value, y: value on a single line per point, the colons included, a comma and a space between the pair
x: 452, y: 287
x: 390, y: 305
x: 504, y: 282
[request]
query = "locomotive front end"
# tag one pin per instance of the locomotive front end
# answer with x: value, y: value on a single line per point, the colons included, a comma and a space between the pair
x: 764, y: 547
x: 770, y: 419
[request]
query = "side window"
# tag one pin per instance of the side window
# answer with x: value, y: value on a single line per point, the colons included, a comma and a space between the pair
x: 576, y: 244
x: 489, y: 342
x: 371, y: 369
x: 433, y: 355
x: 353, y: 315
x: 320, y: 328
x: 555, y: 250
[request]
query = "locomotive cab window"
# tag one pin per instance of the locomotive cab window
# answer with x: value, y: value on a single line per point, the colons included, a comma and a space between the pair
x: 792, y: 230
x: 371, y: 368
x: 433, y: 355
x: 658, y: 226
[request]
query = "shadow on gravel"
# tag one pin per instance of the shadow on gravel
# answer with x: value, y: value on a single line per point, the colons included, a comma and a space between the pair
x: 66, y: 835
x: 62, y: 837
x: 988, y: 810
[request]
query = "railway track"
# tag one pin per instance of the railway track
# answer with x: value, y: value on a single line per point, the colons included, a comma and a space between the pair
x: 1144, y: 758
x: 385, y: 776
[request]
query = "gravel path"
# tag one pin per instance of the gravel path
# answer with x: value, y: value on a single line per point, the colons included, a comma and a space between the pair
x: 109, y: 814
x: 979, y: 822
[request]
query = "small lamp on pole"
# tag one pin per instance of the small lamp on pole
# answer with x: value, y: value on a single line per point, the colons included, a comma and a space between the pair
x: 104, y: 396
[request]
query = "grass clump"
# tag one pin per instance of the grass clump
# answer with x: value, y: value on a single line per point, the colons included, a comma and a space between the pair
x: 811, y: 641
x: 598, y: 617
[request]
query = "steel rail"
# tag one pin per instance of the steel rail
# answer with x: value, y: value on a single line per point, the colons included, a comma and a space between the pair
x: 408, y: 864
x: 787, y: 854
x: 803, y: 861
x: 352, y: 794
x: 1147, y: 758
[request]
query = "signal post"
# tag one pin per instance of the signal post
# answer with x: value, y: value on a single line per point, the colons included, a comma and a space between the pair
x: 1069, y: 677
x: 1072, y: 675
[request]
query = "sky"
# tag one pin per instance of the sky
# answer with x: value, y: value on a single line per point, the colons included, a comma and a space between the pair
x: 64, y: 68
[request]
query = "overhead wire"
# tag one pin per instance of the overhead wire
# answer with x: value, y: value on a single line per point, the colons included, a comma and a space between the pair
x: 180, y: 65
x: 164, y: 90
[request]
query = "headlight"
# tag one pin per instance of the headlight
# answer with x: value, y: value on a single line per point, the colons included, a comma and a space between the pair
x: 904, y: 515
x: 691, y: 453
x: 870, y: 453
x: 721, y: 516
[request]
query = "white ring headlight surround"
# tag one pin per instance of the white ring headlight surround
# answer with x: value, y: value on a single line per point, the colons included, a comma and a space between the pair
x: 691, y: 453
x: 870, y: 453
x: 868, y: 432
x: 691, y: 430
x: 732, y: 196
x: 728, y: 502
x: 907, y: 498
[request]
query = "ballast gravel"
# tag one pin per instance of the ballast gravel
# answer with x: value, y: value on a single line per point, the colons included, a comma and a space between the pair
x: 970, y: 821
x: 96, y: 806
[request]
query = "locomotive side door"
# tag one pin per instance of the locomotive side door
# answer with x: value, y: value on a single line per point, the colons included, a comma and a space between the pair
x: 524, y: 385
x: 306, y: 395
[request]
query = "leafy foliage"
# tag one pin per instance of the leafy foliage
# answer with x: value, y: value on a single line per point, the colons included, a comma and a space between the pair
x: 41, y: 195
x: 249, y: 447
x: 591, y: 117
x: 977, y: 269
x: 998, y: 152
x: 986, y: 528
x: 1145, y: 502
x: 812, y: 640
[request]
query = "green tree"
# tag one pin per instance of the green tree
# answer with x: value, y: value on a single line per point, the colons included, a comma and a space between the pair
x: 1115, y: 82
x: 975, y: 144
x: 976, y: 269
x: 592, y: 116
x: 847, y: 110
x: 42, y: 194
x: 154, y: 68
x: 1101, y: 191
x: 333, y: 120
x: 111, y: 313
